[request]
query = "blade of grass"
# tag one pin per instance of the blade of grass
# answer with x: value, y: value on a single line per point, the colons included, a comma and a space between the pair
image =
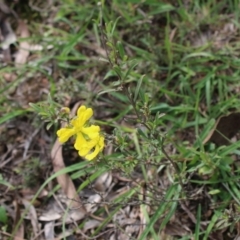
x: 198, y: 223
x: 12, y: 115
x: 146, y: 216
x: 211, y: 224
x: 163, y: 206
x: 139, y: 84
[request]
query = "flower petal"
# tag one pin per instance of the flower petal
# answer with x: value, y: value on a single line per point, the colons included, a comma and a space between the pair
x: 80, y: 141
x: 83, y: 151
x: 101, y: 143
x: 87, y: 147
x: 92, y: 131
x: 84, y: 114
x: 65, y: 133
x: 87, y: 152
x: 93, y: 154
x: 81, y: 110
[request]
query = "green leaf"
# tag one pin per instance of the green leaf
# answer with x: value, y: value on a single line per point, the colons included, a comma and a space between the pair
x: 11, y: 115
x: 198, y: 223
x: 133, y: 65
x: 107, y: 91
x: 139, y: 84
x: 205, y: 132
x: 214, y: 191
x: 49, y: 125
x: 118, y: 71
x: 121, y: 50
x: 3, y: 215
x: 114, y: 25
x: 213, y: 221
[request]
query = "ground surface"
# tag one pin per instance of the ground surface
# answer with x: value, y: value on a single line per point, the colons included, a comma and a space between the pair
x: 162, y: 78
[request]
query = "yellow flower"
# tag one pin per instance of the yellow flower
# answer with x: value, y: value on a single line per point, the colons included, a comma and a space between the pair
x: 88, y: 142
x: 86, y: 148
x: 65, y: 110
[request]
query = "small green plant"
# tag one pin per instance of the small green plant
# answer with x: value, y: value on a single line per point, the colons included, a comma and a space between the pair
x: 50, y: 111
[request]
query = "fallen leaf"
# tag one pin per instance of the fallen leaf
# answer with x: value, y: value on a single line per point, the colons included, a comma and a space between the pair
x: 65, y: 181
x: 19, y: 234
x: 49, y: 230
x: 8, y: 37
x: 50, y: 216
x: 24, y: 46
x: 225, y: 128
x: 175, y: 229
x: 33, y: 216
x: 91, y: 224
x: 92, y: 203
x: 103, y: 182
x: 9, y: 77
x: 7, y: 10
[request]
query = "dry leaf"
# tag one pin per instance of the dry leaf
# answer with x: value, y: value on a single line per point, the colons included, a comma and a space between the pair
x: 49, y: 230
x: 225, y: 128
x: 91, y: 224
x: 20, y: 231
x: 103, y: 182
x: 65, y: 181
x: 93, y: 202
x: 7, y: 10
x: 50, y: 216
x: 24, y: 46
x: 8, y: 37
x: 33, y: 216
x: 9, y: 77
x: 175, y: 229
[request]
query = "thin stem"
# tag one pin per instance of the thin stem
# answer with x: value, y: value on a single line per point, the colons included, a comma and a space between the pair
x: 176, y: 167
